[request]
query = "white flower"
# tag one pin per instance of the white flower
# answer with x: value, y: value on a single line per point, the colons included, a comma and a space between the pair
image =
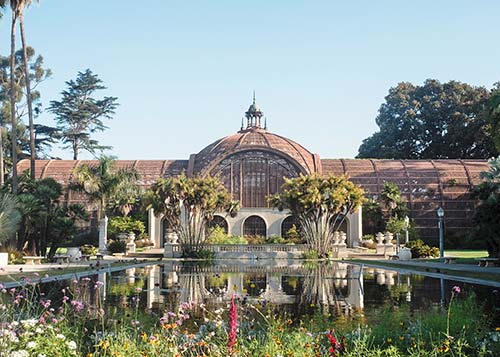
x: 20, y: 353
x: 41, y: 355
x: 31, y: 344
x: 60, y: 336
x: 71, y: 345
x: 29, y: 323
x: 39, y: 330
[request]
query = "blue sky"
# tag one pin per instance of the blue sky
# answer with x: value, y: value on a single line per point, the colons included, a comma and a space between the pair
x: 184, y: 71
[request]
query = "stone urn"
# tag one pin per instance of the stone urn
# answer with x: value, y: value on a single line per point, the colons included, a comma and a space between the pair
x: 74, y: 254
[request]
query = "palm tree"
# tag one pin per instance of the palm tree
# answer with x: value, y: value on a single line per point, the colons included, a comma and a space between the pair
x: 103, y: 182
x: 10, y: 216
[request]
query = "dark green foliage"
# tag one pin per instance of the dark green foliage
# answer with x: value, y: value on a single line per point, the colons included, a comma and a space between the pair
x: 432, y: 121
x: 47, y: 222
x: 421, y: 250
x: 372, y: 216
x: 117, y: 246
x: 199, y: 254
x: 492, y: 115
x: 79, y: 115
x: 10, y: 216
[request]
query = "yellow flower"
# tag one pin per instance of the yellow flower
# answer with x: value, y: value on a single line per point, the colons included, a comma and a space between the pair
x: 389, y: 340
x: 401, y: 338
x: 497, y: 329
x: 289, y: 322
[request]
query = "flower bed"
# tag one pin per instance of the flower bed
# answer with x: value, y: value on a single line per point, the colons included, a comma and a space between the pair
x: 72, y: 320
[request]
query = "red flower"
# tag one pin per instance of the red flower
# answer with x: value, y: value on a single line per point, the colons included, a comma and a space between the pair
x: 233, y: 326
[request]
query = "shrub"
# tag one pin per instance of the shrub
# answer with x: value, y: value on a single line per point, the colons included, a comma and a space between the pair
x: 117, y: 246
x: 88, y: 249
x: 219, y: 236
x: 91, y: 237
x: 126, y: 224
x: 274, y: 239
x: 200, y: 254
x: 419, y: 249
x: 255, y: 239
x: 293, y: 235
x: 15, y: 256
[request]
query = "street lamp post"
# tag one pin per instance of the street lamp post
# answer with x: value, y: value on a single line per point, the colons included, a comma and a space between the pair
x: 407, y: 225
x: 440, y: 214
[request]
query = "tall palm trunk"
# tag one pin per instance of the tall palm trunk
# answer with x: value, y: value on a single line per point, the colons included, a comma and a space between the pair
x: 13, y: 100
x: 2, y: 170
x: 28, y: 96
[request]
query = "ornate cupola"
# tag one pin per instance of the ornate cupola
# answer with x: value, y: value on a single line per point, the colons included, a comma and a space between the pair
x: 254, y: 116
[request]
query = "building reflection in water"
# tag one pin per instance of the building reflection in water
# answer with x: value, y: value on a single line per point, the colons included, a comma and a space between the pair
x: 334, y: 287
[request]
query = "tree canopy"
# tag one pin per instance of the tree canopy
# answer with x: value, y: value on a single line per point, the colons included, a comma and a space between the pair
x: 103, y: 182
x: 188, y: 204
x: 431, y: 121
x: 79, y: 115
x: 320, y: 205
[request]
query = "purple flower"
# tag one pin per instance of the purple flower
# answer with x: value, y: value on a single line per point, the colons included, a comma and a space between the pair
x: 456, y: 289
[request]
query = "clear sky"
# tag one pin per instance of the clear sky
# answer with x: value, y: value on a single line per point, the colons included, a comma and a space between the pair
x: 184, y: 70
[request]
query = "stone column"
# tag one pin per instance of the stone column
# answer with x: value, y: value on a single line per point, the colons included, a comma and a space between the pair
x: 103, y: 235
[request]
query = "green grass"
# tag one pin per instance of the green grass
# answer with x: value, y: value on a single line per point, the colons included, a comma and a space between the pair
x: 474, y: 254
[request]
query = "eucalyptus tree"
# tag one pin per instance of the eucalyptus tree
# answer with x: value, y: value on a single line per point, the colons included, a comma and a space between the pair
x: 320, y: 205
x: 79, y: 115
x: 188, y: 204
x: 103, y: 182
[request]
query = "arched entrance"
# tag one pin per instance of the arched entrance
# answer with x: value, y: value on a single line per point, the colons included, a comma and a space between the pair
x: 290, y: 229
x: 218, y: 221
x: 254, y: 226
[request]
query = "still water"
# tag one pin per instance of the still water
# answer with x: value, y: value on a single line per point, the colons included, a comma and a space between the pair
x: 297, y: 288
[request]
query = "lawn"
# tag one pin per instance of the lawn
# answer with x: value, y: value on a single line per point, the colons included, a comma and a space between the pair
x: 473, y: 254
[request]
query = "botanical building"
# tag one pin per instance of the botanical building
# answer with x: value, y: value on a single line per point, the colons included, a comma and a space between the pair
x: 253, y: 162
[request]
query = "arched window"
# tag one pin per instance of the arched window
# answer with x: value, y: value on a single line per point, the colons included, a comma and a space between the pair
x: 287, y: 225
x: 251, y: 176
x: 218, y: 221
x: 254, y: 226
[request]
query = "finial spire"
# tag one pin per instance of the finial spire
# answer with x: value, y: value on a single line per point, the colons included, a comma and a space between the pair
x: 254, y: 96
x: 265, y: 123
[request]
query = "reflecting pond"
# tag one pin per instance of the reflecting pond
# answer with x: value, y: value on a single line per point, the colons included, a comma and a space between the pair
x: 333, y: 288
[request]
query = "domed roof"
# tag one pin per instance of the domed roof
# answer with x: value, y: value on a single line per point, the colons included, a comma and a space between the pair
x: 253, y: 139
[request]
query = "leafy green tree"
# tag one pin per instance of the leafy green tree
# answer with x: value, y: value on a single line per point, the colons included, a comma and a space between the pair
x: 188, y: 205
x: 432, y: 121
x: 320, y: 205
x: 103, y: 182
x: 79, y: 115
x: 487, y: 215
x: 492, y: 115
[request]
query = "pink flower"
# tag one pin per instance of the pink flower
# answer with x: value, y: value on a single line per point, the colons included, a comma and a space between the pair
x: 77, y: 305
x: 456, y: 289
x: 233, y: 326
